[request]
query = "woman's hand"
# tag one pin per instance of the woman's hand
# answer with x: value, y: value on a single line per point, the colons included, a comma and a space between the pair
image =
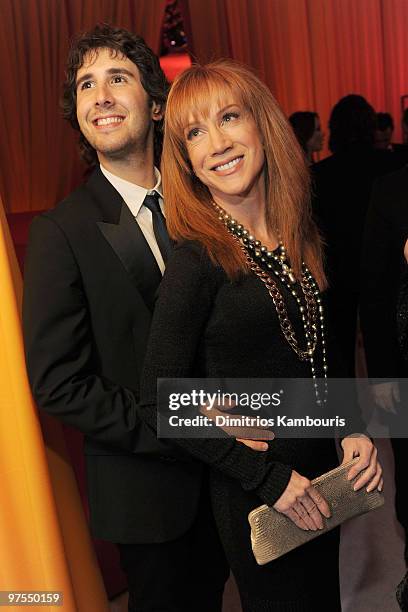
x: 362, y: 447
x: 303, y: 504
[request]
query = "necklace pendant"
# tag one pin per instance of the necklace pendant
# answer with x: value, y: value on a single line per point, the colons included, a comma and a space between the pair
x: 287, y: 271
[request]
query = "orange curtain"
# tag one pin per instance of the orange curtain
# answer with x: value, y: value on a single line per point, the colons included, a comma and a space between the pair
x: 311, y: 52
x: 44, y: 541
x: 38, y: 157
x: 395, y: 18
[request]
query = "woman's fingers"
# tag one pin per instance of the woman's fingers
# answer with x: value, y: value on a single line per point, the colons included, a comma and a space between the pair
x: 296, y: 518
x: 365, y: 456
x: 370, y: 470
x: 362, y: 447
x: 375, y: 482
x: 303, y: 504
x: 307, y: 518
x: 321, y: 504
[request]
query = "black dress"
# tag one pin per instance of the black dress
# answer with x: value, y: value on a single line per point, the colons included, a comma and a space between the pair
x: 206, y: 325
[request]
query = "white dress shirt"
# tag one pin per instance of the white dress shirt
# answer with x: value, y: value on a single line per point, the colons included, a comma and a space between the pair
x: 133, y: 195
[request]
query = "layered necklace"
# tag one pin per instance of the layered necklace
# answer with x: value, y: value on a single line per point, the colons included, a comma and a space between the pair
x: 310, y: 307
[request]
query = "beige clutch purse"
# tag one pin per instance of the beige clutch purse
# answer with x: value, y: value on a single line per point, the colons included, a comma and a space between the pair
x: 273, y: 534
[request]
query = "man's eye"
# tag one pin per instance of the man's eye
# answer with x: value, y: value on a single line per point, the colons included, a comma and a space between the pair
x: 118, y: 79
x: 86, y: 85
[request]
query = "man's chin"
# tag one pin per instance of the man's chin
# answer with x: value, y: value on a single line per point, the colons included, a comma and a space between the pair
x: 114, y: 151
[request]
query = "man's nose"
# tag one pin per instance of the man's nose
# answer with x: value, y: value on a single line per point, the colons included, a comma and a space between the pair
x: 103, y: 95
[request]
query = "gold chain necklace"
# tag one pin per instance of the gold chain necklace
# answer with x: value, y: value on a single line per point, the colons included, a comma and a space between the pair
x: 311, y: 314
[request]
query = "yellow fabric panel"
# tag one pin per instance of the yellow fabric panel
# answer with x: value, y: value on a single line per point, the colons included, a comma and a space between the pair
x: 44, y: 541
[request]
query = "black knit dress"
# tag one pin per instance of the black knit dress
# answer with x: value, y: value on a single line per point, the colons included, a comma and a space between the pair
x: 205, y: 325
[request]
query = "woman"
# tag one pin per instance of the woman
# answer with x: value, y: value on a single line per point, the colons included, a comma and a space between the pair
x: 308, y: 132
x: 232, y: 170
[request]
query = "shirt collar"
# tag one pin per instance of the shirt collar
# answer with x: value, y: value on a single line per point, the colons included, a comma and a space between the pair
x: 132, y: 194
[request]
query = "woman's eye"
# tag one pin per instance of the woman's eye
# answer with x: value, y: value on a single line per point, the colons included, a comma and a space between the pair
x: 229, y: 117
x: 193, y: 133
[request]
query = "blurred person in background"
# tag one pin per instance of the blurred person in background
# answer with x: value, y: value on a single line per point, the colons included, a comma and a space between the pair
x: 384, y: 131
x: 384, y: 323
x: 383, y: 140
x: 342, y: 188
x: 307, y: 128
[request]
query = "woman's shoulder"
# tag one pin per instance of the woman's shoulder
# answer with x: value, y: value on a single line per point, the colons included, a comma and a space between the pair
x: 190, y: 259
x: 194, y: 247
x: 193, y: 254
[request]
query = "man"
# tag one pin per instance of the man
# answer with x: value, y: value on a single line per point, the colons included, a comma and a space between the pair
x: 384, y: 131
x: 92, y: 271
x: 383, y: 140
x: 342, y: 187
x: 382, y: 266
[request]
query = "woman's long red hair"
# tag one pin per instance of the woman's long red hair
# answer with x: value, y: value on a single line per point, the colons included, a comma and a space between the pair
x: 190, y: 213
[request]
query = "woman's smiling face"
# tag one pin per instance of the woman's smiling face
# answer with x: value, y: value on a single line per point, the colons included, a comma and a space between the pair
x: 225, y: 149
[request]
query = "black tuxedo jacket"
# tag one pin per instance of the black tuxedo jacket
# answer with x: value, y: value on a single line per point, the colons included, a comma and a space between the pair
x: 386, y: 232
x: 90, y: 286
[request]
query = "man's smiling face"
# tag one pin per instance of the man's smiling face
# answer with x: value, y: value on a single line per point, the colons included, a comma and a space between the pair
x: 113, y: 109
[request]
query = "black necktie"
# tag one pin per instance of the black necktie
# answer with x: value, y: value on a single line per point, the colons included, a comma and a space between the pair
x: 159, y: 225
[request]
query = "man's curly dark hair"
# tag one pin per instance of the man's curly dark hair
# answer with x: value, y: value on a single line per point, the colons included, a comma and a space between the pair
x: 122, y: 42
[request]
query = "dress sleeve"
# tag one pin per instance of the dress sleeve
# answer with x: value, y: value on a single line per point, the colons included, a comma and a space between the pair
x: 185, y: 302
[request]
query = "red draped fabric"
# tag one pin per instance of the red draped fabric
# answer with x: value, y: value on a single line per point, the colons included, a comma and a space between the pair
x: 38, y: 157
x: 311, y: 52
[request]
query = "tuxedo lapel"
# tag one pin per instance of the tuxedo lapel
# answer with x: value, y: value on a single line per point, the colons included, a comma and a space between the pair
x: 129, y: 244
x: 123, y: 234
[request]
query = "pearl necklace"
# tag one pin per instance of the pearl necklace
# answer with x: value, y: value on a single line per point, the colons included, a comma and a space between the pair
x: 311, y: 314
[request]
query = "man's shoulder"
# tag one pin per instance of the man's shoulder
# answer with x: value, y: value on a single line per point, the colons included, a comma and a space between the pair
x: 71, y: 206
x: 80, y: 205
x: 75, y: 217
